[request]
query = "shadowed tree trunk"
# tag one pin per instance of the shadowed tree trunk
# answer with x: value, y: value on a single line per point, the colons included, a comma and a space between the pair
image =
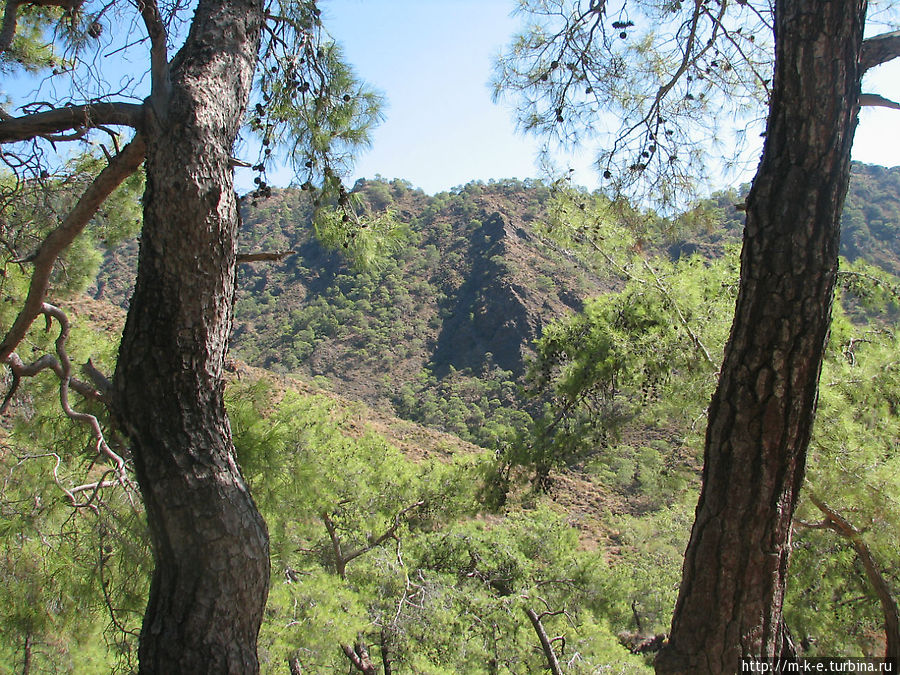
x: 730, y: 601
x: 209, y: 542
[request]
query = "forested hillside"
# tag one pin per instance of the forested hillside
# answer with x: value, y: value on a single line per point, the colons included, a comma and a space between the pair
x: 439, y: 328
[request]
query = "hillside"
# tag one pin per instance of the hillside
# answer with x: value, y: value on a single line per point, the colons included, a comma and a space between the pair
x: 440, y: 331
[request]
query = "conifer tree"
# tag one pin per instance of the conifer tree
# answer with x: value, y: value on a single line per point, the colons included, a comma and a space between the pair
x: 577, y: 63
x: 209, y: 542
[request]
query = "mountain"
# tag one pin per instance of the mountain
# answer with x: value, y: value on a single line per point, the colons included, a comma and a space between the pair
x: 440, y: 331
x: 871, y: 220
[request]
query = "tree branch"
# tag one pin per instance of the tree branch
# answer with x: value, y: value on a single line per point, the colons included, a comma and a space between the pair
x: 339, y: 563
x: 359, y: 657
x: 160, y: 85
x: 62, y: 367
x: 343, y: 559
x: 546, y: 643
x: 70, y: 118
x: 8, y: 32
x: 387, y: 534
x: 122, y: 165
x: 876, y: 100
x: 20, y: 369
x: 879, y: 49
x: 889, y: 609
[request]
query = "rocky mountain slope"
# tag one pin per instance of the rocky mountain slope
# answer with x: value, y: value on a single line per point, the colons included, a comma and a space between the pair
x: 441, y: 330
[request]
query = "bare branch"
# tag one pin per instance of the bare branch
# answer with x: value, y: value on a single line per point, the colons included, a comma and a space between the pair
x: 546, y: 643
x: 62, y: 367
x: 160, y: 85
x: 69, y: 118
x: 341, y: 559
x: 99, y: 380
x: 879, y: 49
x: 387, y: 534
x: 47, y: 362
x: 335, y: 544
x: 122, y: 165
x: 876, y: 100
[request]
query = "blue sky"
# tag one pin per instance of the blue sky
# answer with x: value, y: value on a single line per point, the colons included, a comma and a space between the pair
x: 433, y: 59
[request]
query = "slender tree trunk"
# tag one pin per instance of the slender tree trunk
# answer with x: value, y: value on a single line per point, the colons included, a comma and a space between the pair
x: 26, y: 660
x: 730, y: 602
x: 210, y: 544
x: 387, y: 662
x: 889, y: 610
x: 546, y: 645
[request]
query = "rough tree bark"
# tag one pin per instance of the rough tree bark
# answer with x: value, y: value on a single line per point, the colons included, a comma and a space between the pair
x: 210, y: 544
x: 730, y: 601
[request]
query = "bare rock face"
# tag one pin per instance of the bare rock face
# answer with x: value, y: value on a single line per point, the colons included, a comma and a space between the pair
x: 497, y: 312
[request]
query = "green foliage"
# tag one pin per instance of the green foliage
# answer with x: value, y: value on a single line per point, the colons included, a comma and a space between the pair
x: 445, y: 592
x: 369, y: 245
x: 481, y: 409
x: 29, y: 50
x: 33, y: 209
x: 854, y: 467
x: 871, y: 217
x: 641, y: 357
x: 310, y: 102
x: 73, y: 582
x: 633, y: 367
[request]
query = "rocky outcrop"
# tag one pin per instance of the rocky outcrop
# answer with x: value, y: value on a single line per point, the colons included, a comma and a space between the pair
x: 497, y: 315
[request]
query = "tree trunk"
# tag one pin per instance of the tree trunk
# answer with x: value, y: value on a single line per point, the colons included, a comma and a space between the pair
x: 546, y: 645
x: 760, y: 418
x: 26, y: 657
x: 387, y: 663
x: 359, y: 657
x: 210, y: 544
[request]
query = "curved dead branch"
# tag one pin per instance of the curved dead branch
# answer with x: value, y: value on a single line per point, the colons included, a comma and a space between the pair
x: 837, y: 523
x: 61, y: 365
x: 120, y: 167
